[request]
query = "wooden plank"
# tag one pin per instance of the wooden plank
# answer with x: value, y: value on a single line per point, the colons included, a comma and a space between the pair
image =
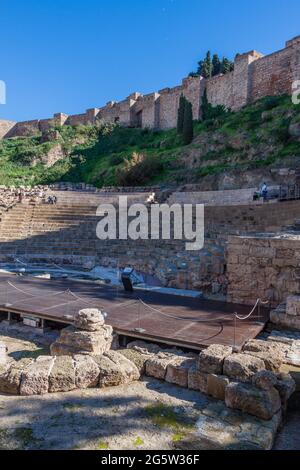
x: 186, y: 322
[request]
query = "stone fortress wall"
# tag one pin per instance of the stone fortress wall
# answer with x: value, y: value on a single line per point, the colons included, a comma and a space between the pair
x: 254, y: 77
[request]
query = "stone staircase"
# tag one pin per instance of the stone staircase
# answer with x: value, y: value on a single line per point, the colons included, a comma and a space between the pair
x: 44, y: 231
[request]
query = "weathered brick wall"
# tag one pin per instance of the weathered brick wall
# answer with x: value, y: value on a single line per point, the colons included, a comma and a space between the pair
x: 76, y: 120
x: 220, y: 90
x: 168, y: 107
x: 5, y: 127
x: 271, y: 75
x: 25, y: 129
x: 263, y: 267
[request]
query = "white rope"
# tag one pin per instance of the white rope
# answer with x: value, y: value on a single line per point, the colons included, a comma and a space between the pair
x: 59, y: 305
x: 180, y: 318
x: 81, y: 299
x: 36, y: 296
x: 259, y: 301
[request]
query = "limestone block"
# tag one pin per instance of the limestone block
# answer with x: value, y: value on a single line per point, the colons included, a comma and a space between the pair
x: 265, y: 380
x: 216, y: 386
x: 242, y: 367
x: 294, y: 372
x: 261, y: 403
x: 221, y: 428
x: 285, y: 321
x: 177, y: 371
x: 10, y: 377
x: 197, y: 380
x: 270, y: 349
x: 143, y: 347
x: 272, y: 362
x: 286, y: 386
x: 293, y: 355
x: 293, y: 305
x: 89, y: 319
x: 83, y: 342
x: 211, y: 360
x: 35, y: 378
x: 157, y: 366
x: 62, y: 375
x: 115, y: 369
x: 86, y: 372
x: 138, y: 358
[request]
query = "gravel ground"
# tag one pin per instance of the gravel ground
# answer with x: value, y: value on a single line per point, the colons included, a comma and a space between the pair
x: 144, y: 415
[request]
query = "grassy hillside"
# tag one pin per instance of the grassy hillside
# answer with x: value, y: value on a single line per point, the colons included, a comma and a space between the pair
x: 256, y: 137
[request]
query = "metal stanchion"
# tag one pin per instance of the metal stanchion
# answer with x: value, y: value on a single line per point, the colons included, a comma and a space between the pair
x: 234, y: 334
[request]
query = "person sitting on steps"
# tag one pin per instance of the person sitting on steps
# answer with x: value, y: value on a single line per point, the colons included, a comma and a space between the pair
x: 264, y: 192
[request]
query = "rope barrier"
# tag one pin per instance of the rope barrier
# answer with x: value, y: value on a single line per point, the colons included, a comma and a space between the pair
x: 215, y: 320
x: 258, y: 302
x: 33, y: 295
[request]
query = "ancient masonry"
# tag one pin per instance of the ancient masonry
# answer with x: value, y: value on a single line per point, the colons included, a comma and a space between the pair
x: 254, y: 77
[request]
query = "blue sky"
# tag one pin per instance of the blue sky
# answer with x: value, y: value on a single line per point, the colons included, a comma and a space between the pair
x: 67, y: 56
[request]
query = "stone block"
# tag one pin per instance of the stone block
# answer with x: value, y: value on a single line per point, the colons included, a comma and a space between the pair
x: 177, y: 371
x: 35, y: 378
x: 157, y: 366
x: 86, y: 372
x: 293, y: 305
x: 221, y: 428
x: 272, y: 353
x: 216, y: 385
x: 83, y: 342
x: 10, y: 377
x: 90, y: 319
x: 242, y: 367
x: 265, y: 380
x: 211, y: 360
x: 286, y: 386
x: 294, y: 372
x: 263, y: 404
x: 138, y: 358
x: 197, y: 380
x: 115, y: 369
x: 62, y: 375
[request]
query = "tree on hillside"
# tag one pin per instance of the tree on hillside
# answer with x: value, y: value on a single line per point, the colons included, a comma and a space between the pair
x: 226, y: 66
x: 209, y: 67
x: 204, y: 106
x: 205, y: 67
x: 180, y: 117
x: 188, y: 128
x: 216, y: 65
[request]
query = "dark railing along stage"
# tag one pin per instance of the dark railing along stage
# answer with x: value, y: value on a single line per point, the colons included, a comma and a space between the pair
x: 289, y: 192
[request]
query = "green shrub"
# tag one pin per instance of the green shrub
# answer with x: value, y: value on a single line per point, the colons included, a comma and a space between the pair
x: 138, y: 170
x: 188, y: 129
x: 115, y: 160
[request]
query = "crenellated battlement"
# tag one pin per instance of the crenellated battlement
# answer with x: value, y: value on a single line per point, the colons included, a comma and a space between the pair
x: 255, y: 76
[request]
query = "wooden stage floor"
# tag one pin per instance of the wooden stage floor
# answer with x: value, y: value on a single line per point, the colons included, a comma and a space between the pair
x: 185, y: 322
